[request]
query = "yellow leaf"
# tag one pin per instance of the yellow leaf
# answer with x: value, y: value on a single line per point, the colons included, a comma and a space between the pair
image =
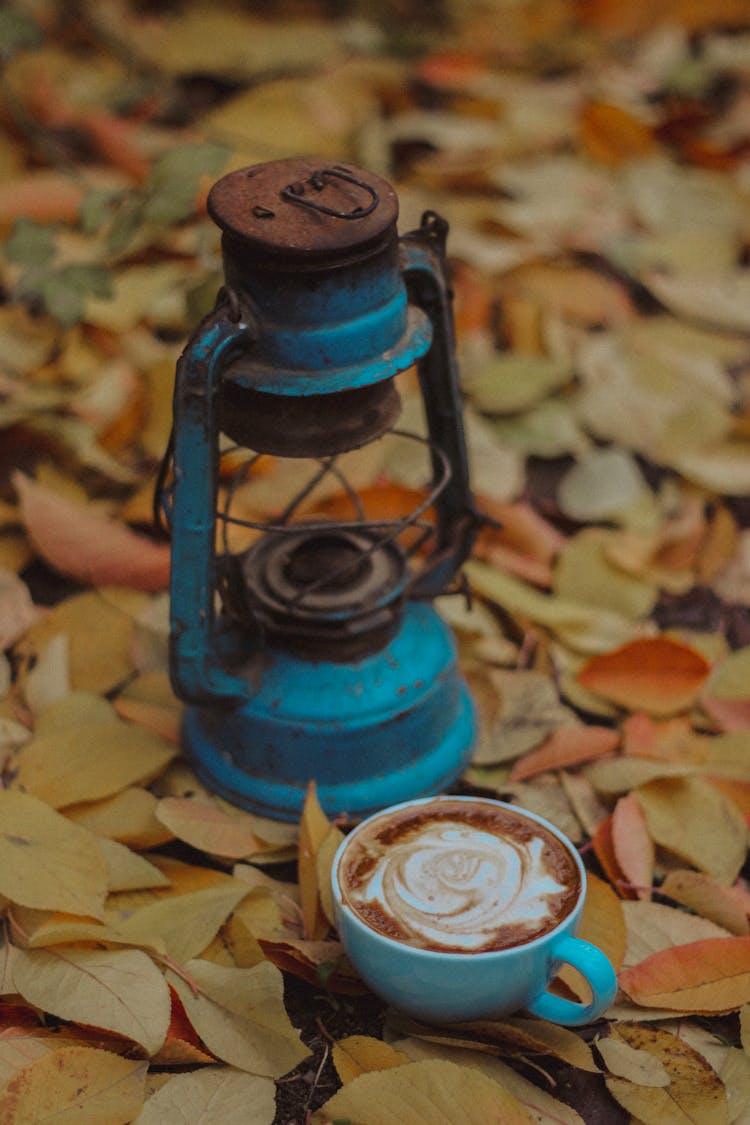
x: 323, y: 865
x: 653, y: 926
x: 583, y: 628
x: 690, y: 818
x: 359, y: 1054
x: 120, y: 990
x: 90, y: 761
x: 75, y: 1086
x: 546, y: 1110
x: 43, y: 928
x: 693, y: 1093
x: 128, y: 817
x: 240, y: 1016
x: 313, y: 829
x: 423, y: 1093
x: 636, y: 1065
x: 127, y: 871
x: 708, y: 898
x: 216, y: 1096
x: 100, y: 635
x: 45, y: 861
x: 207, y: 827
x: 603, y: 924
x: 185, y: 923
x: 514, y: 1036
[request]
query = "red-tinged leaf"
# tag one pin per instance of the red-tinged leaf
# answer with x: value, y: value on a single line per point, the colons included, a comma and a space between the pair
x: 604, y: 850
x: 633, y: 847
x: 566, y: 747
x: 182, y: 1046
x: 711, y: 976
x: 89, y: 547
x: 652, y: 674
x: 666, y: 740
x: 730, y: 714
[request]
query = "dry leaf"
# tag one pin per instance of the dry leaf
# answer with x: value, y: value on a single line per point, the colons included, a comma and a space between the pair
x: 86, y: 546
x: 636, y: 1065
x: 324, y: 865
x: 128, y: 817
x: 91, y: 761
x: 120, y: 990
x: 655, y: 674
x: 360, y: 1054
x: 633, y: 846
x: 240, y: 1016
x: 100, y: 636
x: 422, y: 1093
x: 544, y: 1109
x: 184, y: 923
x: 708, y: 898
x: 217, y: 1096
x: 17, y: 610
x: 208, y: 828
x: 691, y: 819
x: 128, y: 871
x: 566, y: 747
x: 693, y: 1091
x: 46, y: 861
x: 654, y: 926
x: 703, y: 977
x: 313, y: 829
x: 75, y: 1085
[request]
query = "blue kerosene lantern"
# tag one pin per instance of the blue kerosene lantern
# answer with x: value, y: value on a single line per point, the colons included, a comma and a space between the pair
x: 315, y: 653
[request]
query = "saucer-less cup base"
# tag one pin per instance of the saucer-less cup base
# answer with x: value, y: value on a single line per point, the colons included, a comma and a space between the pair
x: 444, y: 987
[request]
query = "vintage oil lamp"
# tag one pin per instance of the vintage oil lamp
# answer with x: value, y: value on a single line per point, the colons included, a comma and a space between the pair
x: 315, y: 653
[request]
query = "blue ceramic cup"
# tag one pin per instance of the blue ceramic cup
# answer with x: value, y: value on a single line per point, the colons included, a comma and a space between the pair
x: 444, y: 986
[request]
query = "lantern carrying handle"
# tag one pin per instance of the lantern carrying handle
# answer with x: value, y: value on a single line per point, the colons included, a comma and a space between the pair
x: 425, y: 271
x: 298, y: 192
x: 196, y: 662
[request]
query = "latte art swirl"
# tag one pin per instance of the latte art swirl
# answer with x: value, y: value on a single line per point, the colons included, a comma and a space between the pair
x: 444, y: 884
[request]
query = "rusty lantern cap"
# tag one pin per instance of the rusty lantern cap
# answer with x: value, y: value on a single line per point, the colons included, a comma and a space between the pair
x: 304, y: 209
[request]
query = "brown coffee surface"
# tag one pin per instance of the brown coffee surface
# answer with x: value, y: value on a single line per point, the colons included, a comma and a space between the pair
x: 458, y: 876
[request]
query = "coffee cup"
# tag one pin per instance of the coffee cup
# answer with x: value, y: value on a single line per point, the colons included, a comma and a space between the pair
x: 463, y: 908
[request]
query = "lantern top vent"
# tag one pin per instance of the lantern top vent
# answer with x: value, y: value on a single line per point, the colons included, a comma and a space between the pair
x: 304, y: 210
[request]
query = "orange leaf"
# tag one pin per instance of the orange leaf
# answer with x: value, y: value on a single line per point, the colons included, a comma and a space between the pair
x: 182, y: 1046
x: 87, y: 546
x: 604, y: 850
x: 566, y: 746
x: 653, y: 674
x: 633, y: 846
x: 613, y: 136
x: 705, y: 896
x: 701, y: 977
x: 666, y: 741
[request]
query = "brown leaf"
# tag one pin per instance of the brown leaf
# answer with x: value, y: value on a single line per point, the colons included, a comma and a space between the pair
x: 693, y: 1091
x: 613, y: 136
x: 708, y: 898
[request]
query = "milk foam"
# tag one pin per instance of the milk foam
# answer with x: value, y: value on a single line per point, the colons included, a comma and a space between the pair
x: 455, y: 885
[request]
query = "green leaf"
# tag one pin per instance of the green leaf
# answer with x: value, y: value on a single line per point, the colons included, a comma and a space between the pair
x: 124, y: 226
x: 173, y: 182
x: 95, y: 210
x: 29, y: 243
x: 18, y: 32
x: 64, y: 290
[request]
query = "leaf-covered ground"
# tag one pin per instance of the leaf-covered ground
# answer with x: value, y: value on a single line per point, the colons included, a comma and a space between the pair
x: 167, y: 958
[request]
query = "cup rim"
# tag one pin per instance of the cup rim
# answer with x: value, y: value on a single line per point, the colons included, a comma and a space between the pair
x: 460, y: 953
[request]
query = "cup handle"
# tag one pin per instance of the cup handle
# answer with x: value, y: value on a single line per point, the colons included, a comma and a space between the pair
x: 599, y: 974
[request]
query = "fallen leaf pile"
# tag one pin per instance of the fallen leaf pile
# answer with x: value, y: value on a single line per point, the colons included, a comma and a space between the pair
x: 593, y: 159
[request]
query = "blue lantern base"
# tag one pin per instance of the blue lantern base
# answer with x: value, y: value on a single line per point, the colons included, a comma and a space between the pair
x: 396, y: 725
